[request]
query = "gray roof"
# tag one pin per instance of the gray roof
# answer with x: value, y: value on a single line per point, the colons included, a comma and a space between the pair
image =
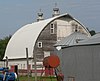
x: 72, y: 39
x: 92, y: 40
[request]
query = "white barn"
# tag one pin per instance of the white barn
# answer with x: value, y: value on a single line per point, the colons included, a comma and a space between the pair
x: 40, y: 37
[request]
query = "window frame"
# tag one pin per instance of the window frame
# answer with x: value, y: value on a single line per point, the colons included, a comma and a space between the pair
x: 39, y: 44
x: 52, y: 28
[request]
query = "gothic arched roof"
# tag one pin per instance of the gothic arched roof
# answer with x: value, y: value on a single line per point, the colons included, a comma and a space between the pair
x: 26, y: 37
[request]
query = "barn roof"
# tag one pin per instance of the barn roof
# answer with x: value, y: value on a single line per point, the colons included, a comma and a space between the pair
x: 72, y: 39
x: 26, y: 37
x: 92, y: 40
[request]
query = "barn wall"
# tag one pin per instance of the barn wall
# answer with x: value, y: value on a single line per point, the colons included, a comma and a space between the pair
x: 48, y: 40
x: 62, y: 28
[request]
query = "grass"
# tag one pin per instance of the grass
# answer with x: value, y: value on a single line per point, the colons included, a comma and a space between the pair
x: 25, y: 78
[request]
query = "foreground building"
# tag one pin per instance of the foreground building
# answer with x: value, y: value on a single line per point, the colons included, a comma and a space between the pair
x: 81, y: 61
x: 40, y: 37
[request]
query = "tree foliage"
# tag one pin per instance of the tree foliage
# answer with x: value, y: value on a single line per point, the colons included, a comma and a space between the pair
x: 92, y: 32
x: 3, y: 44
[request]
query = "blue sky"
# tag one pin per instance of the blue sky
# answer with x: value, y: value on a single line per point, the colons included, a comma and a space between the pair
x: 16, y: 13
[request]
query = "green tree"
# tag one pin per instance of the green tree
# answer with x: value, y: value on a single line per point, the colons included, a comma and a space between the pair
x: 92, y: 32
x: 3, y: 44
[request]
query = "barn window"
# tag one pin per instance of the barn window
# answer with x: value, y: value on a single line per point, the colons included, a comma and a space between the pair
x: 24, y: 66
x: 37, y: 66
x: 52, y: 29
x: 39, y: 44
x: 21, y: 66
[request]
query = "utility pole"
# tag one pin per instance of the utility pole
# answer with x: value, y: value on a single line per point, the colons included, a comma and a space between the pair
x: 27, y: 63
x: 35, y: 68
x: 6, y: 61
